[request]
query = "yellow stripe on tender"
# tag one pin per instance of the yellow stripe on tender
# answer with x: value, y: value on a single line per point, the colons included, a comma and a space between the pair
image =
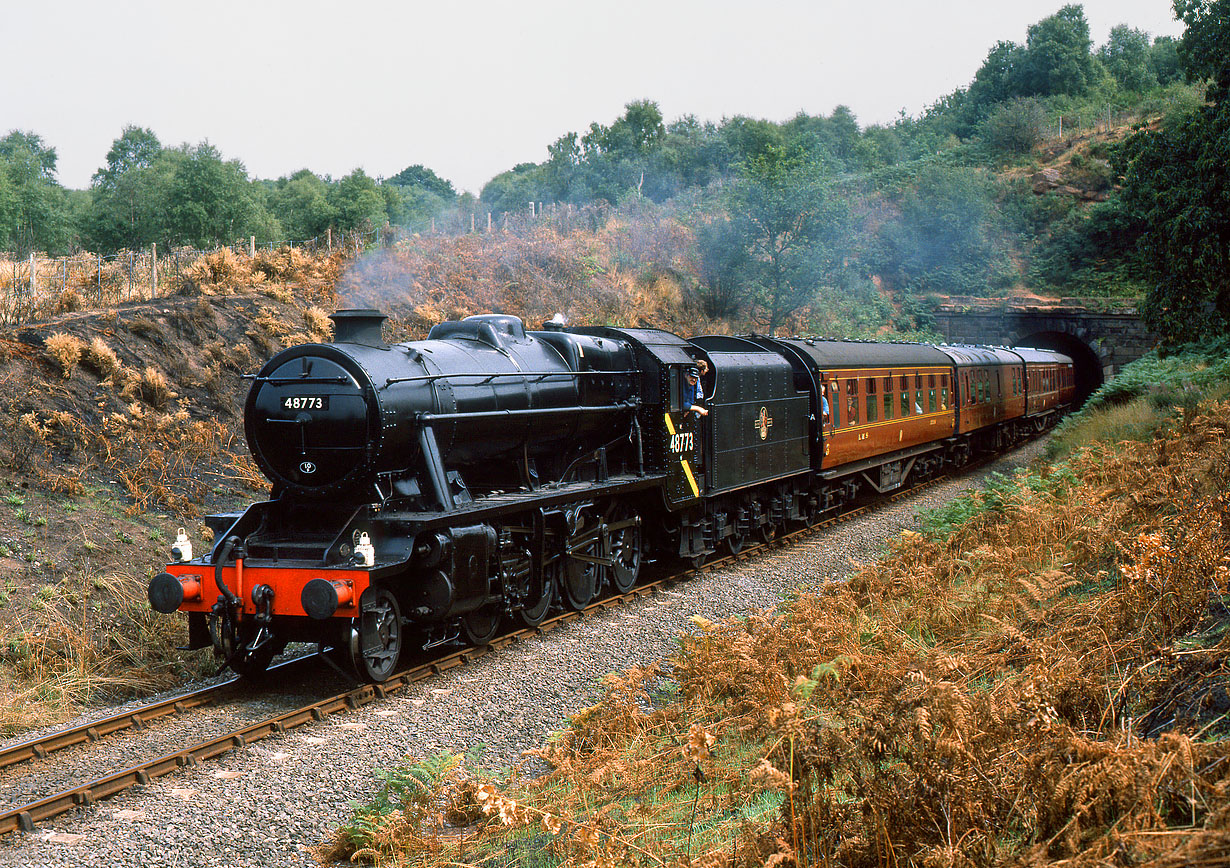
x: 670, y: 426
x: 687, y: 469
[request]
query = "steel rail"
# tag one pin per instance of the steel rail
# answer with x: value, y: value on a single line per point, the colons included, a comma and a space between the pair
x: 135, y: 719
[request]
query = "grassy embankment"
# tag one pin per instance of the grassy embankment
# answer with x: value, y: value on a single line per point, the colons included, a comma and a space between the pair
x: 1039, y: 677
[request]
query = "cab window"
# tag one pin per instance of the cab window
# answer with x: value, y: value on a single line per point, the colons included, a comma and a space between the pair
x: 676, y: 390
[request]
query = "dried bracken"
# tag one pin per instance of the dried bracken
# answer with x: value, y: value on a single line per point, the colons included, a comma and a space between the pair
x: 102, y: 359
x: 65, y: 351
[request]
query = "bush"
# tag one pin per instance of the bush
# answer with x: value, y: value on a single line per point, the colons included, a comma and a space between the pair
x: 1015, y: 127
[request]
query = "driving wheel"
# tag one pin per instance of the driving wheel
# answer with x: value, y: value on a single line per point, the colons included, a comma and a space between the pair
x: 583, y: 571
x: 624, y: 544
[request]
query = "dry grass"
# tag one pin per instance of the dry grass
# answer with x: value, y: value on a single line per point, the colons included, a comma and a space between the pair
x: 101, y: 639
x: 283, y: 274
x: 319, y: 326
x: 102, y: 359
x: 1045, y: 685
x: 155, y: 389
x: 65, y: 350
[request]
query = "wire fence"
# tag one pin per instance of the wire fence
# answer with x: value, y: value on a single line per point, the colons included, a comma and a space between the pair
x: 37, y: 286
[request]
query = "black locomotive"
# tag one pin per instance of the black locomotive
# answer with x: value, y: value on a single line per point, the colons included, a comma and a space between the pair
x: 423, y: 492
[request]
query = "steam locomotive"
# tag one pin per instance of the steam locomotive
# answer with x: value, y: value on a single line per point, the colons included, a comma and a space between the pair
x: 425, y: 492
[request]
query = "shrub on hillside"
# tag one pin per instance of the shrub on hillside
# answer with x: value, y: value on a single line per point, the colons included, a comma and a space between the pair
x: 1015, y: 127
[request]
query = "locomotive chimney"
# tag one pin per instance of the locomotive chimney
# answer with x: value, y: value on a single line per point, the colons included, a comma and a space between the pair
x: 358, y: 327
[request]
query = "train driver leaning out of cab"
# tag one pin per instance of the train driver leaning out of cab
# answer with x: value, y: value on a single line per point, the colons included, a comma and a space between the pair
x: 694, y: 392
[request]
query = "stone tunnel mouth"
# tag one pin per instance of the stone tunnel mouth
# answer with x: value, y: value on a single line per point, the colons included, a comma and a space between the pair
x: 1088, y: 366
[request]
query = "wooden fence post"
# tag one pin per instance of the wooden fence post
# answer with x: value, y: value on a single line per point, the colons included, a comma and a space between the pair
x: 330, y: 230
x: 153, y: 271
x: 251, y: 246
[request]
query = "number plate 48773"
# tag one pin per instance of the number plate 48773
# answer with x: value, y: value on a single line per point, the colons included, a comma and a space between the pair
x: 305, y: 402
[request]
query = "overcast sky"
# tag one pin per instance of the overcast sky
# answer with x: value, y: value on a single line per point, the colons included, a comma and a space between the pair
x: 470, y: 89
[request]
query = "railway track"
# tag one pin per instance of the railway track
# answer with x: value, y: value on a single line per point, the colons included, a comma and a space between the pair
x: 27, y: 816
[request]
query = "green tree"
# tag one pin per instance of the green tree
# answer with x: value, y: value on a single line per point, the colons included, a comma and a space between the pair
x: 749, y: 139
x: 998, y: 78
x: 36, y: 214
x: 425, y: 179
x: 723, y: 258
x: 1204, y: 50
x: 358, y: 202
x: 512, y: 191
x: 301, y: 204
x: 793, y: 229
x: 129, y: 193
x: 1126, y: 56
x: 1164, y: 58
x: 1057, y: 57
x: 210, y: 200
x: 1176, y: 185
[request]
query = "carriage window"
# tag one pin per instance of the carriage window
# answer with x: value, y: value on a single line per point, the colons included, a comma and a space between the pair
x: 888, y: 397
x: 918, y: 394
x: 872, y: 406
x: 834, y: 405
x: 931, y: 400
x: 905, y: 396
x: 943, y: 391
x: 852, y: 400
